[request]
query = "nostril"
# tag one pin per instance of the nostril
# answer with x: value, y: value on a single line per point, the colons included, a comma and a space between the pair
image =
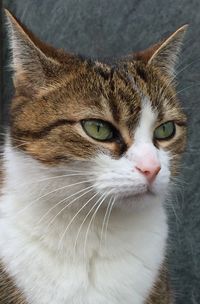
x: 143, y: 171
x: 146, y: 172
x: 151, y: 173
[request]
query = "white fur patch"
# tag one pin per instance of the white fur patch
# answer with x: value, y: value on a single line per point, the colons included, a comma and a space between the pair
x: 148, y: 118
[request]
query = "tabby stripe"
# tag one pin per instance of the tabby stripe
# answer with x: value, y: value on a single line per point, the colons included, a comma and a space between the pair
x: 18, y: 108
x: 142, y: 73
x: 181, y: 123
x: 43, y: 131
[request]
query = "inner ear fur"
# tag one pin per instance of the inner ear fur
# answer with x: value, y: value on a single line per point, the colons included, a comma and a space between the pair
x: 35, y: 64
x: 164, y: 55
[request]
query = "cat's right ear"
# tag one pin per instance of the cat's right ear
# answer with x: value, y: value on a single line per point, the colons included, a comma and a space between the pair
x: 32, y: 67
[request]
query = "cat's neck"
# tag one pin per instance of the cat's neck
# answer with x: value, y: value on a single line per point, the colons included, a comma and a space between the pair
x: 36, y: 206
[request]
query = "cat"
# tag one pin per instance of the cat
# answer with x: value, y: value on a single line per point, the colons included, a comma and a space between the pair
x: 88, y: 164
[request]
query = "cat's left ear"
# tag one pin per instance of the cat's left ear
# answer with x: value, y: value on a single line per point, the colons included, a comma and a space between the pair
x: 164, y: 55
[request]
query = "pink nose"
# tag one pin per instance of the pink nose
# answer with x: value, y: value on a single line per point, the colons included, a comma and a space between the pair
x: 150, y: 171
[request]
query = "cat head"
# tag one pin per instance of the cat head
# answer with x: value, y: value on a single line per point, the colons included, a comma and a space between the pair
x: 122, y: 124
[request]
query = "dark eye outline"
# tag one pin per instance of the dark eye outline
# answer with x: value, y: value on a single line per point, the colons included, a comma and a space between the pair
x: 168, y: 137
x: 115, y: 133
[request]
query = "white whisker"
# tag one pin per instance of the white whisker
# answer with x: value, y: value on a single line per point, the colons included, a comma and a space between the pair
x: 109, y: 214
x: 73, y: 218
x: 80, y: 228
x: 53, y: 191
x: 184, y: 89
x: 60, y: 202
x: 104, y: 219
x: 56, y: 177
x: 53, y: 219
x: 181, y: 70
x: 92, y: 218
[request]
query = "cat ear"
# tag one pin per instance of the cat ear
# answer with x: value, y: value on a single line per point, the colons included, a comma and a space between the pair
x: 32, y: 67
x: 164, y: 55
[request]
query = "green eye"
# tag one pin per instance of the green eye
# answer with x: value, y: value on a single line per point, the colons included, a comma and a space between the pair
x: 165, y: 131
x: 98, y: 129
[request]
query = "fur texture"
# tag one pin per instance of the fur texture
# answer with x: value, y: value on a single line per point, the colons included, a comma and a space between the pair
x: 58, y: 238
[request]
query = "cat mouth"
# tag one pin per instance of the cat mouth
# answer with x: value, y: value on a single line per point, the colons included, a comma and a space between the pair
x: 135, y: 199
x: 138, y: 195
x: 148, y: 193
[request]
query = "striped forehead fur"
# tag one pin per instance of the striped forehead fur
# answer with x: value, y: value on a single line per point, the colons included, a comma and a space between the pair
x: 117, y: 97
x: 54, y: 91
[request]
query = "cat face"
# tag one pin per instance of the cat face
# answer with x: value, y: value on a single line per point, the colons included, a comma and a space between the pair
x: 121, y: 124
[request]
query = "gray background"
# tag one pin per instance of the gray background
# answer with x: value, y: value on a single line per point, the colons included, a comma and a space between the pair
x: 116, y: 27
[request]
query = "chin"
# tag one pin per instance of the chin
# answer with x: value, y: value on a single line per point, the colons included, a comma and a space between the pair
x: 138, y: 201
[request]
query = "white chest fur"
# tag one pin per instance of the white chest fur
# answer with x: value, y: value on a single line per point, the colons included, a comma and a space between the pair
x: 121, y: 272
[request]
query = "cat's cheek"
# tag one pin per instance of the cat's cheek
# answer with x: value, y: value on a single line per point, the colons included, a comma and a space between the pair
x: 161, y: 184
x: 175, y: 165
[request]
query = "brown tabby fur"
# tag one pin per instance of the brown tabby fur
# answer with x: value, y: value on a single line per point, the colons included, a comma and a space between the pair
x: 161, y: 293
x: 55, y: 90
x: 9, y: 293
